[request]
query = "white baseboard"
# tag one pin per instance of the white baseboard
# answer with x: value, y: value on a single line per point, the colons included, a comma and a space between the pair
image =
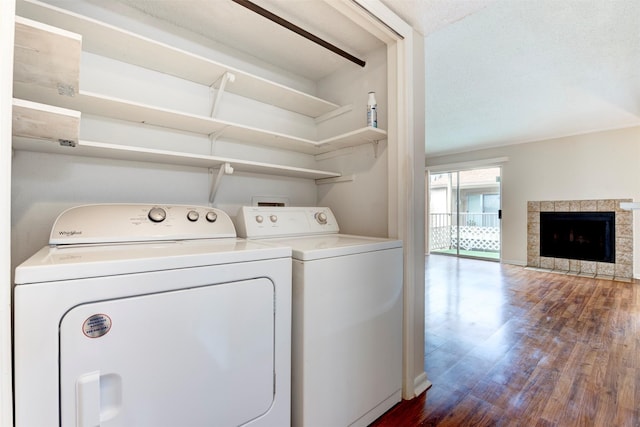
x: 513, y: 262
x: 421, y: 383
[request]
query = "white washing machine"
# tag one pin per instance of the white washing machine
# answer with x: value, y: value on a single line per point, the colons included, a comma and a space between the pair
x: 141, y: 315
x: 347, y: 315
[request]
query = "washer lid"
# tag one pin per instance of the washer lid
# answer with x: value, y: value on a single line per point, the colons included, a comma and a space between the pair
x: 332, y: 245
x: 84, y: 261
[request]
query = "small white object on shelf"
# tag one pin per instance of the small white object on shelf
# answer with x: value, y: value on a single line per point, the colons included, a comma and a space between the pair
x: 372, y: 110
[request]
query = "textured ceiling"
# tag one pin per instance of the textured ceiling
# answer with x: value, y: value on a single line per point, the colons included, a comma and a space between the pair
x: 427, y: 16
x: 525, y: 70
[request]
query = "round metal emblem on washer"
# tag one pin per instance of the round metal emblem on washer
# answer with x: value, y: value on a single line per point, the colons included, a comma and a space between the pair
x: 96, y: 326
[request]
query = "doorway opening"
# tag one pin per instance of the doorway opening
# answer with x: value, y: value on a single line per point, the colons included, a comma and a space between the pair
x: 464, y: 213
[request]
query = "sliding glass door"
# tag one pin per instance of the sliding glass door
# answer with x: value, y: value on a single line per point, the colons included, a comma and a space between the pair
x: 464, y: 211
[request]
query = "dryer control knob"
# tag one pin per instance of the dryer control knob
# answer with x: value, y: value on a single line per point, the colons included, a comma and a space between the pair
x: 259, y: 219
x: 321, y: 217
x: 193, y: 216
x: 273, y: 218
x: 211, y: 216
x: 157, y: 215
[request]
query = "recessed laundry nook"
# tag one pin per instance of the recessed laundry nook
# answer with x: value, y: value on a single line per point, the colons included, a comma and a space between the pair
x: 140, y: 132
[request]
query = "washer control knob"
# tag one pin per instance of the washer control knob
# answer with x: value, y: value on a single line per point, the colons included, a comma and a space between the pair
x: 211, y: 216
x: 321, y: 217
x: 157, y: 214
x: 259, y: 219
x: 193, y: 216
x: 273, y: 218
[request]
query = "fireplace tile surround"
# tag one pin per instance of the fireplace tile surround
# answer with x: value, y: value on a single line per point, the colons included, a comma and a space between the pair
x: 621, y: 270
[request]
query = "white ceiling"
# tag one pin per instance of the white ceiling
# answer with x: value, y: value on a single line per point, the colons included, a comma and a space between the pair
x: 498, y: 72
x: 525, y: 70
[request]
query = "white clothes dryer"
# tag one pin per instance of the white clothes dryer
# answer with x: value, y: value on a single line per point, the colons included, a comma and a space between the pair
x: 142, y: 315
x: 347, y: 315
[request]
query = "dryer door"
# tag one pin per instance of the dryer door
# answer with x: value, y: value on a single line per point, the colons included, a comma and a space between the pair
x: 193, y: 357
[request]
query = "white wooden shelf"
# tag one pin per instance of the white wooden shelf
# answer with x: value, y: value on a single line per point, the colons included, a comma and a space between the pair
x: 129, y: 153
x: 48, y: 129
x: 39, y: 58
x: 49, y: 102
x: 351, y: 139
x: 46, y: 57
x: 45, y: 122
x: 107, y: 40
x: 106, y: 106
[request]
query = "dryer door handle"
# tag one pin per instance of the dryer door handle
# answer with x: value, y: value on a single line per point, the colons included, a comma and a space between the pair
x: 88, y: 400
x: 98, y: 398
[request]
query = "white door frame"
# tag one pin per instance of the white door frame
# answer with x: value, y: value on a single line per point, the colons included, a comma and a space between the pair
x: 7, y: 25
x: 406, y: 188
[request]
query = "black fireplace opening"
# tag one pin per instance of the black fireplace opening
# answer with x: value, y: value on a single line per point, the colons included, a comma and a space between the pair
x: 588, y: 236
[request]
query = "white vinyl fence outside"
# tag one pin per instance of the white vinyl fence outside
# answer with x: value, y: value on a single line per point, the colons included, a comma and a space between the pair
x: 478, y: 232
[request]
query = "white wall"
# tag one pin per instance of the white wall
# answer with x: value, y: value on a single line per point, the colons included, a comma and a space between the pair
x: 359, y: 205
x: 601, y: 165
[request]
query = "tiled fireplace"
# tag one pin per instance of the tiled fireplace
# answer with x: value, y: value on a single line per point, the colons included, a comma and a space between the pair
x: 621, y: 269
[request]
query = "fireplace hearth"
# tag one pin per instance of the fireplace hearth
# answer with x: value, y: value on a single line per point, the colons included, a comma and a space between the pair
x: 591, y: 238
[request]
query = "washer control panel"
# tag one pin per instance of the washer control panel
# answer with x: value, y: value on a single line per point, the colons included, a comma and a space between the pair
x: 257, y: 222
x: 110, y: 223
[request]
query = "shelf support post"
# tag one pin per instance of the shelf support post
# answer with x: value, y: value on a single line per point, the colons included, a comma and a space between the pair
x: 221, y: 83
x: 225, y: 169
x: 376, y: 146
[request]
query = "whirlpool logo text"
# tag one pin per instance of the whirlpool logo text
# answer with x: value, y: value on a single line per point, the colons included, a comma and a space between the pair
x: 69, y: 233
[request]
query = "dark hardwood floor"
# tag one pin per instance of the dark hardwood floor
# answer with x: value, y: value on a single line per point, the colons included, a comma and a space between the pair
x: 506, y: 346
